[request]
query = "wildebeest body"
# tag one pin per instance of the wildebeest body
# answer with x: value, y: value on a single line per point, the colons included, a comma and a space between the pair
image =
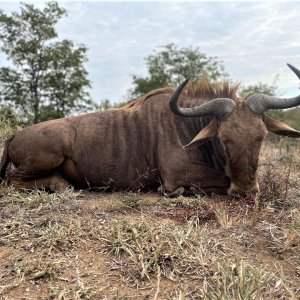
x: 123, y: 149
x: 211, y: 141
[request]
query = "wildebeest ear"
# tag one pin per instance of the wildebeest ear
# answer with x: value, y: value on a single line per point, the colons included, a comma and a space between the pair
x: 280, y: 128
x: 211, y: 130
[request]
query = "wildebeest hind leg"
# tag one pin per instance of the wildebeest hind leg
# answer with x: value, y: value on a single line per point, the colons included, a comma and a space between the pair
x: 36, y: 169
x: 54, y: 183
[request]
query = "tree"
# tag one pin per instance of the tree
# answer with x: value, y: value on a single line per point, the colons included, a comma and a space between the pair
x: 171, y: 65
x: 47, y: 79
x: 259, y: 88
x: 105, y: 105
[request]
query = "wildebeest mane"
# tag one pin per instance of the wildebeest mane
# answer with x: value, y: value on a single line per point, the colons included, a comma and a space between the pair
x: 202, y: 89
x: 210, y: 90
x: 135, y: 104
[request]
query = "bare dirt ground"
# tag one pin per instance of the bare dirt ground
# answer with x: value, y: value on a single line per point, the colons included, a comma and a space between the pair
x: 88, y: 245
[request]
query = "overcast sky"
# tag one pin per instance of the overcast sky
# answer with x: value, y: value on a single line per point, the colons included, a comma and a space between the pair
x: 255, y: 40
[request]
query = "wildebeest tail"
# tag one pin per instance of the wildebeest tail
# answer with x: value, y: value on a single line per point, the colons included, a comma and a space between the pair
x: 4, y: 159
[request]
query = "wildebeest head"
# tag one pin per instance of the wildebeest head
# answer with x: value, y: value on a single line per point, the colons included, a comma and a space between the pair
x: 241, y: 127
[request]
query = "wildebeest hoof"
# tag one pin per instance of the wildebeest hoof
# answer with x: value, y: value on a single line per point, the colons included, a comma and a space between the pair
x: 192, y: 190
x: 52, y: 188
x: 178, y: 192
x: 160, y: 189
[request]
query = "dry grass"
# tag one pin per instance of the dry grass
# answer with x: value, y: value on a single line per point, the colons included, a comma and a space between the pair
x: 150, y: 246
x: 86, y: 245
x: 239, y: 280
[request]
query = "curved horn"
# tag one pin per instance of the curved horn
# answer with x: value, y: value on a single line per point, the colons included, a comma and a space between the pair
x: 295, y: 70
x: 259, y: 103
x: 220, y: 107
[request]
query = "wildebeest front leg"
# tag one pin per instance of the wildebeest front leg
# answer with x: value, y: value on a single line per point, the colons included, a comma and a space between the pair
x: 199, y: 177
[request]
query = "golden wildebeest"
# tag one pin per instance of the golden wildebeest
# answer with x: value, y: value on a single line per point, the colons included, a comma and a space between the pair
x: 212, y: 144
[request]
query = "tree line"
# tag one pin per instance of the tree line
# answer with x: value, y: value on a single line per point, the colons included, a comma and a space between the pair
x: 47, y: 78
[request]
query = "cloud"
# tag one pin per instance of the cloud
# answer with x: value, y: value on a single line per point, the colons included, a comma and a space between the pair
x: 254, y: 39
